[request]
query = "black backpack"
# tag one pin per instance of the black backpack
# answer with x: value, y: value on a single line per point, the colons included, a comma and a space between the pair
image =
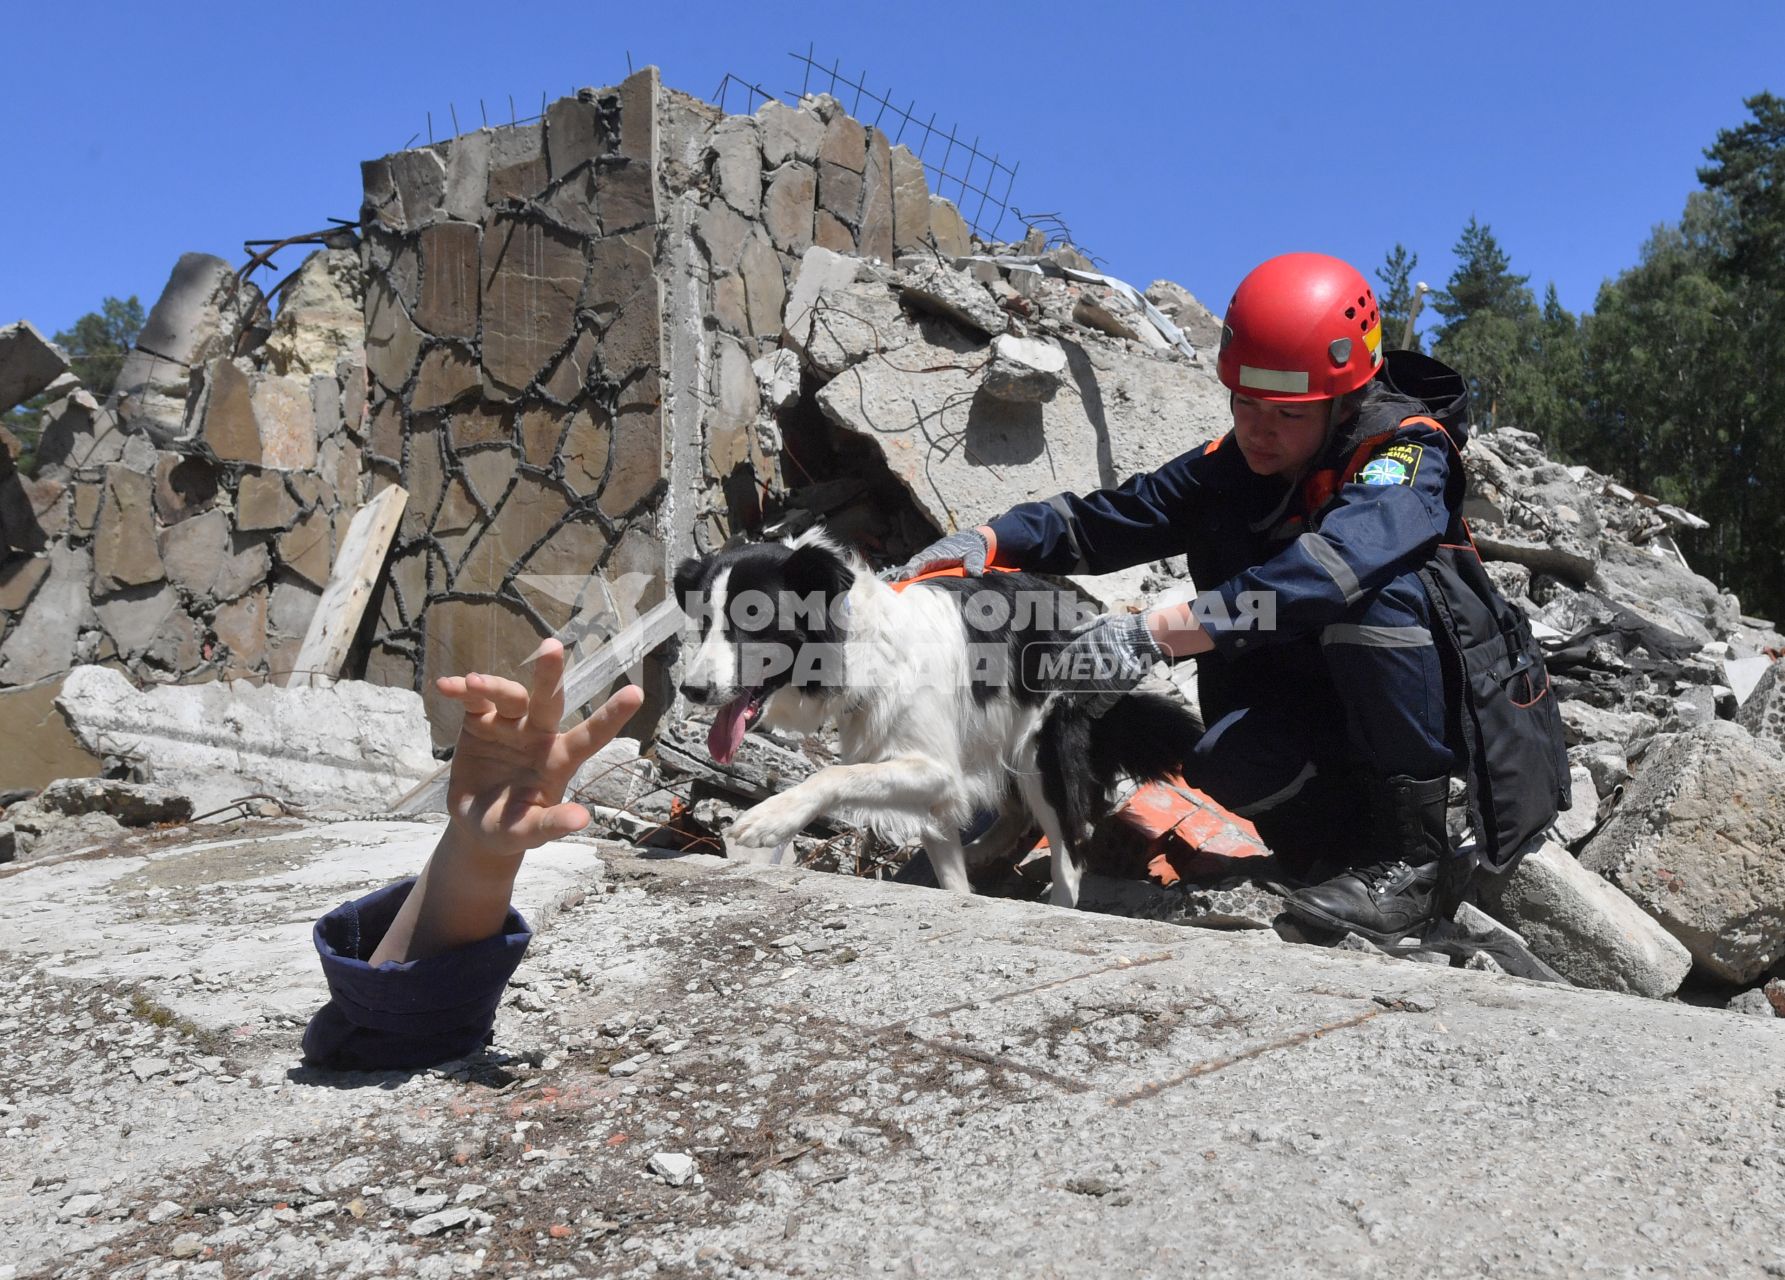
x: 1506, y: 720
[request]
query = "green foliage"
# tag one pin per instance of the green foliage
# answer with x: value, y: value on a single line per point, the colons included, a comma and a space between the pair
x: 1675, y: 382
x: 96, y: 347
x: 1483, y: 283
x: 97, y: 344
x: 1492, y: 331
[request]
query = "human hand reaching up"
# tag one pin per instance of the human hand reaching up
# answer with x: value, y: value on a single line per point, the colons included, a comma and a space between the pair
x: 505, y: 793
x: 504, y: 796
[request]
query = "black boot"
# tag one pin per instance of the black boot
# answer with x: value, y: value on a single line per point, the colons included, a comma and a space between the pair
x: 1400, y: 893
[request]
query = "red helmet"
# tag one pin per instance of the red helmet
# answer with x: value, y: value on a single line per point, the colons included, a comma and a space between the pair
x: 1302, y: 326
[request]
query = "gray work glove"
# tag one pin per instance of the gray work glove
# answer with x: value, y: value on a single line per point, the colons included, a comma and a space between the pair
x: 968, y: 548
x: 1105, y: 659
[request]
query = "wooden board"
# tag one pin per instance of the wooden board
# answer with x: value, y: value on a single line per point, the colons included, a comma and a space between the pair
x: 349, y: 590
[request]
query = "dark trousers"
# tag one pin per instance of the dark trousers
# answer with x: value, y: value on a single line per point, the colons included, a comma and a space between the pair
x: 1315, y: 725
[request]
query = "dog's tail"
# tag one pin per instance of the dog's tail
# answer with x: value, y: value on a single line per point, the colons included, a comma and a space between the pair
x: 1146, y: 736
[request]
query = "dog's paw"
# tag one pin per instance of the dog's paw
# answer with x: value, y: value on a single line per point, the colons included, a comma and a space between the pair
x: 770, y: 824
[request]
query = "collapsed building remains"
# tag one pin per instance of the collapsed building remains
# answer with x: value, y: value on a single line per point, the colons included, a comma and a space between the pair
x: 580, y: 348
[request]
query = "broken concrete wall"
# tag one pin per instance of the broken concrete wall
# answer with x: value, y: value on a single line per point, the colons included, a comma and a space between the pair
x: 187, y: 536
x: 514, y: 331
x: 561, y: 318
x: 754, y: 195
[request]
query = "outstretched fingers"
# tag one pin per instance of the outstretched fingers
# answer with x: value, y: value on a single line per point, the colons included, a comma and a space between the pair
x: 585, y: 739
x: 545, y: 710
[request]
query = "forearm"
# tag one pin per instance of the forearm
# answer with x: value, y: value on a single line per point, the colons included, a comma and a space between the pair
x: 462, y: 896
x: 1175, y: 630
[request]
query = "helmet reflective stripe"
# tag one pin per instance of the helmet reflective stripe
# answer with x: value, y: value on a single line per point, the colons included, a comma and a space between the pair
x: 1290, y: 381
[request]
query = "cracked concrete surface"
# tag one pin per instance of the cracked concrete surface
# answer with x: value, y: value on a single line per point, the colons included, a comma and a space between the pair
x: 870, y: 1079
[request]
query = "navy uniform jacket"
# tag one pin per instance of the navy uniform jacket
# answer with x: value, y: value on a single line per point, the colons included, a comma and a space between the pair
x: 1317, y: 554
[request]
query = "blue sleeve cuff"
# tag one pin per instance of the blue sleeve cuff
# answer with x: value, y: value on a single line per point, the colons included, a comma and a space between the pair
x: 410, y: 1013
x: 1235, y: 625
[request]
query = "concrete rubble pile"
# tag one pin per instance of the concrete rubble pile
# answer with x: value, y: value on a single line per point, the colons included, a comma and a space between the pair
x: 592, y: 343
x: 185, y: 529
x: 588, y: 345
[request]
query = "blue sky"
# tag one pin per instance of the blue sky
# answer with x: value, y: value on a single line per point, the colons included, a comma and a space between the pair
x: 1188, y: 141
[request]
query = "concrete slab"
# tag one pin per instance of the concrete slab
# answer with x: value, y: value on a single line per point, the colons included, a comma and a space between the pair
x: 868, y: 1078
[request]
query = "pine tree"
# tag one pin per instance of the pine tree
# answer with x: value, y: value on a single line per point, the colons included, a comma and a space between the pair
x: 1396, y: 297
x: 1483, y: 282
x: 1486, y: 335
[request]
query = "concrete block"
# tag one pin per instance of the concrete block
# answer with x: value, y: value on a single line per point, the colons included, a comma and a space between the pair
x: 29, y: 363
x: 1584, y: 927
x: 1584, y: 722
x: 347, y: 748
x: 778, y: 378
x: 1129, y: 413
x: 939, y: 288
x: 1023, y: 370
x: 821, y: 271
x: 1763, y: 710
x: 1696, y: 841
x: 135, y: 804
x: 1572, y: 825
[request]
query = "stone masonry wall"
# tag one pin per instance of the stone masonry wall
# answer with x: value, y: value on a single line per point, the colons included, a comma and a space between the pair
x: 561, y: 318
x: 184, y: 530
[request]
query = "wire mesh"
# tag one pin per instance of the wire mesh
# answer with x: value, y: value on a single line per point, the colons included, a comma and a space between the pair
x: 978, y: 183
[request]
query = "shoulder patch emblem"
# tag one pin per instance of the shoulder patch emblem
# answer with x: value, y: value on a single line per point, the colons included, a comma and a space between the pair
x: 1397, y: 464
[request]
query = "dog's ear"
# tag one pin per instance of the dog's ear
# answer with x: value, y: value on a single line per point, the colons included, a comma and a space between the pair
x: 687, y: 580
x: 817, y: 567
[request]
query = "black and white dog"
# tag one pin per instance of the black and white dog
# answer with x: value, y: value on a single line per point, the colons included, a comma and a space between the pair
x: 940, y: 692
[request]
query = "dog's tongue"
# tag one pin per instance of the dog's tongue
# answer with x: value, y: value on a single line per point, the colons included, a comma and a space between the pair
x: 728, y: 729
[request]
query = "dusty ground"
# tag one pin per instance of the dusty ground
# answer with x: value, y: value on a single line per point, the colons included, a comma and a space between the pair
x: 871, y: 1079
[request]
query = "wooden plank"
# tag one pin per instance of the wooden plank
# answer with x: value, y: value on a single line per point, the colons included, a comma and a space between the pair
x: 585, y: 677
x: 349, y: 590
